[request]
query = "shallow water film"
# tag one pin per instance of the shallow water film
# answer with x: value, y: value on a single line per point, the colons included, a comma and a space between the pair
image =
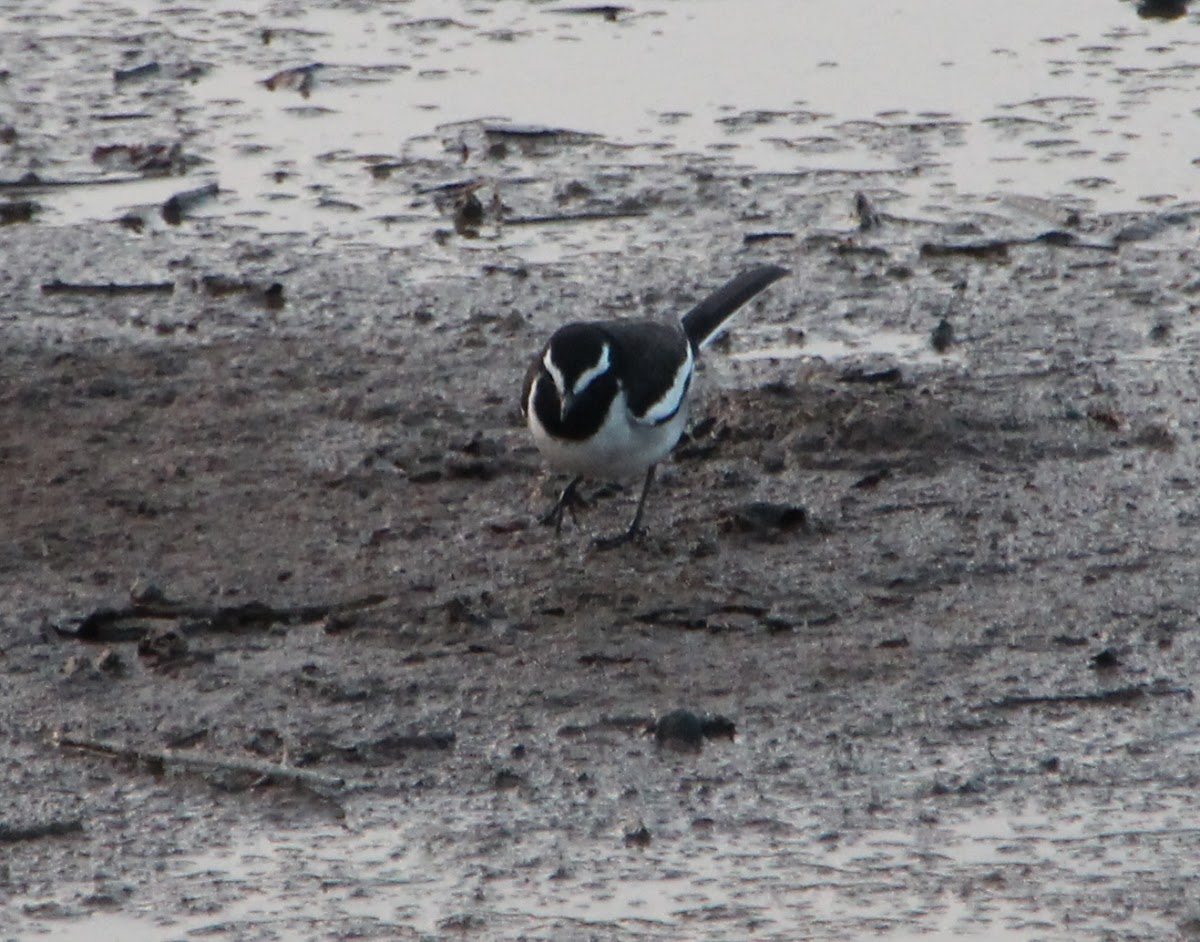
x: 286, y: 653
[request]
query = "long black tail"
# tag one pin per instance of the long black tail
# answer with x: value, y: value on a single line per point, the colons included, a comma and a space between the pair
x: 703, y: 321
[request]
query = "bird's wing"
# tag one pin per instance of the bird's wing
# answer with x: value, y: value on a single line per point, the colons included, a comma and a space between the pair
x: 655, y: 363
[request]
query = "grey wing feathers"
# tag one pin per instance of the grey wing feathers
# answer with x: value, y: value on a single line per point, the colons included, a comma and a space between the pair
x: 706, y: 318
x: 652, y: 353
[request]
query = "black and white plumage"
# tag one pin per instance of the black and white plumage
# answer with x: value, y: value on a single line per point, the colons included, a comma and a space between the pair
x: 609, y: 399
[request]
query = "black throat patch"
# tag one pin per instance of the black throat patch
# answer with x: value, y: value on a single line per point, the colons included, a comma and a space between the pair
x: 587, y: 414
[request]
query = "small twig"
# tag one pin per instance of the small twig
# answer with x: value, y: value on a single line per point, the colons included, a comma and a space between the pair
x: 515, y: 131
x: 1119, y: 695
x: 994, y: 250
x: 609, y: 12
x: 137, y: 72
x: 1068, y: 240
x: 31, y: 181
x: 856, y: 375
x: 593, y: 216
x: 105, y: 624
x: 1088, y: 838
x: 57, y: 286
x: 205, y: 762
x: 750, y: 238
x: 1177, y: 736
x: 454, y: 186
x: 12, y: 833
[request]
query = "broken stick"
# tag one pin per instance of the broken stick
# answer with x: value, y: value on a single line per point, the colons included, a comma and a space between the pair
x: 163, y: 759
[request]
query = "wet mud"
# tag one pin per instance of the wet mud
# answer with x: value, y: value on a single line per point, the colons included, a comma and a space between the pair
x: 909, y: 649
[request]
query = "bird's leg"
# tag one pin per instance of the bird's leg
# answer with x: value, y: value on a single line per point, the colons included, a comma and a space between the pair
x: 636, y: 526
x: 635, y: 530
x: 568, y: 500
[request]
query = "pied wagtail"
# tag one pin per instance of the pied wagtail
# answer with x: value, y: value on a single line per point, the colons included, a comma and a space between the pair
x: 609, y: 399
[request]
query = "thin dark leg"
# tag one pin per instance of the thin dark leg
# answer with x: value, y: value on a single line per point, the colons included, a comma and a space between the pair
x: 635, y: 529
x: 568, y: 500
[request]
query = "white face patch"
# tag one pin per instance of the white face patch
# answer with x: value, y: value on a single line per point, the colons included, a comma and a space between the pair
x: 668, y: 403
x: 592, y: 373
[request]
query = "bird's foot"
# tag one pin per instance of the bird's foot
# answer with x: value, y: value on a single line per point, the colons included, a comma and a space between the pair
x: 632, y: 535
x: 567, y: 501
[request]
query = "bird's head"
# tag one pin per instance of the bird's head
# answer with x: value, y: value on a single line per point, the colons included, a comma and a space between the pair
x: 575, y: 358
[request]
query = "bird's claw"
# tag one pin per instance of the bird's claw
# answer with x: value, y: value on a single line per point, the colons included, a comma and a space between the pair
x: 632, y: 535
x: 567, y: 501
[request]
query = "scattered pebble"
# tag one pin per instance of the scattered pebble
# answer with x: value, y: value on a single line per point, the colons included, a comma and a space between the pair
x: 638, y: 837
x: 680, y: 730
x: 144, y: 592
x: 506, y: 780
x: 299, y: 79
x: 685, y: 731
x: 17, y: 211
x: 900, y: 641
x: 773, y: 459
x: 109, y: 661
x: 1160, y: 333
x: 942, y: 336
x: 767, y: 519
x: 868, y: 216
x: 872, y: 480
x: 162, y: 647
x: 74, y: 664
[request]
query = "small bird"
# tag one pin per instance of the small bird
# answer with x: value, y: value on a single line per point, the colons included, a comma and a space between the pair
x: 609, y: 399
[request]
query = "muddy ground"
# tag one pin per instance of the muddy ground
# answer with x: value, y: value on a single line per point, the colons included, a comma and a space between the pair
x: 961, y: 689
x: 287, y: 656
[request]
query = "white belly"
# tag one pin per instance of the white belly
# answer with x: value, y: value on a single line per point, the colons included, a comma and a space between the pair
x: 622, y: 448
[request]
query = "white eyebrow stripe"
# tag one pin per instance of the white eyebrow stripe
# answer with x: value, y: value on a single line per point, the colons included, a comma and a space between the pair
x: 555, y: 373
x: 670, y: 401
x: 586, y: 377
